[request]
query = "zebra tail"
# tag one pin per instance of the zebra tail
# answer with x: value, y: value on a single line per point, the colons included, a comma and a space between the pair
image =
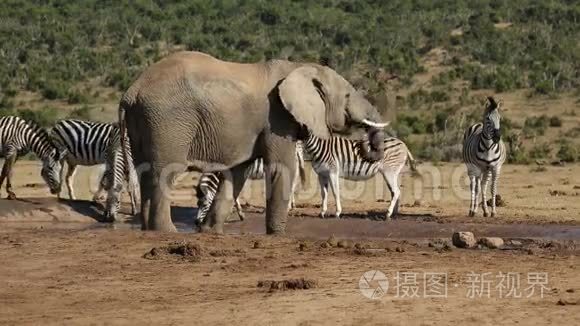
x: 301, y: 169
x: 122, y: 134
x: 412, y: 164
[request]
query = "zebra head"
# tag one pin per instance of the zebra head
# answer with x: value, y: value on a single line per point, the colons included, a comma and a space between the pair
x: 51, y: 170
x: 491, y: 120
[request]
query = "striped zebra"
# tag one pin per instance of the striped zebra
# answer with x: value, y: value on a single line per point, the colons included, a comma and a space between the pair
x: 208, y: 184
x: 484, y: 153
x: 91, y: 143
x: 19, y: 137
x: 339, y: 157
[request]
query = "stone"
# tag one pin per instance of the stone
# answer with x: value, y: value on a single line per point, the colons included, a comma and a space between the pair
x: 464, y: 240
x: 491, y: 242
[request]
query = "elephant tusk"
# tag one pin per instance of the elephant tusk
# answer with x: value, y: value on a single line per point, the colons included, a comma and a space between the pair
x: 375, y: 124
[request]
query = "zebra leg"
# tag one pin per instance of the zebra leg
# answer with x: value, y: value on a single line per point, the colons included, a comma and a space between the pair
x: 477, y: 190
x: 484, y: 180
x: 103, y: 186
x: 393, y: 184
x: 7, y: 175
x: 61, y: 176
x: 335, y: 187
x: 239, y: 209
x: 494, y: 178
x: 69, y: 175
x: 472, y: 182
x: 323, y: 180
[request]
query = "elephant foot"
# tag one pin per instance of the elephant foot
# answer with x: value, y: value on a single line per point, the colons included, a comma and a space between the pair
x: 11, y: 196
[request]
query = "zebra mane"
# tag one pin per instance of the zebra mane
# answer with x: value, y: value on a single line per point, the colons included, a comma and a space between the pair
x: 42, y: 134
x: 492, y: 104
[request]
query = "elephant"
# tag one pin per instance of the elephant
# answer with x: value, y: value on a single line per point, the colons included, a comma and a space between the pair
x: 193, y: 111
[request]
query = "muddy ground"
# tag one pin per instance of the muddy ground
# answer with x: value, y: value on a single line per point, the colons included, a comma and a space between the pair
x: 61, y: 266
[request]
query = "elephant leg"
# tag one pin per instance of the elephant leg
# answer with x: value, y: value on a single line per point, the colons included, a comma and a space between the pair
x: 231, y: 184
x: 280, y: 171
x: 146, y: 186
x: 160, y: 208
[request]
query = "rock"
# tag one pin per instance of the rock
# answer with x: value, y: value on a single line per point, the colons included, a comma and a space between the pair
x: 302, y: 246
x: 491, y: 242
x: 332, y: 241
x: 344, y: 244
x: 464, y: 240
x: 568, y: 302
x: 257, y: 244
x: 515, y: 243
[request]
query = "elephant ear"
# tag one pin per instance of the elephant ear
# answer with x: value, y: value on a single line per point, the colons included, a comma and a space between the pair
x: 302, y: 95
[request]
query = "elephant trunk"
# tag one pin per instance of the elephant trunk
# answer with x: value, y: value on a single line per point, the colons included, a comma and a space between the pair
x: 373, y: 149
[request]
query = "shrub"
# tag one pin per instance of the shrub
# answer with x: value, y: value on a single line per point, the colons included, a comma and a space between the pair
x: 540, y: 151
x: 567, y: 152
x: 535, y: 126
x: 556, y: 122
x: 77, y: 97
x: 83, y: 113
x: 44, y: 117
x: 53, y: 90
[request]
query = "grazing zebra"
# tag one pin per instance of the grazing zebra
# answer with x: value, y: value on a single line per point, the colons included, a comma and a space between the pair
x: 116, y: 174
x: 91, y: 143
x: 484, y: 153
x: 339, y: 157
x: 209, y: 182
x: 17, y: 138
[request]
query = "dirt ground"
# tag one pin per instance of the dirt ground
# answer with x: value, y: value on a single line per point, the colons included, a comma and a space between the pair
x: 61, y: 266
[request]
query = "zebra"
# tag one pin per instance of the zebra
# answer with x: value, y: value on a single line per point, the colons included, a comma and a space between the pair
x: 91, y: 143
x: 208, y: 184
x: 339, y: 157
x: 116, y: 173
x: 18, y: 137
x: 484, y: 153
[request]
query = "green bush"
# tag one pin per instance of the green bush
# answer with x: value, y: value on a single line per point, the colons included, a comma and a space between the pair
x: 555, y: 122
x: 83, y: 113
x: 45, y: 117
x: 540, y: 151
x: 535, y: 126
x: 567, y: 152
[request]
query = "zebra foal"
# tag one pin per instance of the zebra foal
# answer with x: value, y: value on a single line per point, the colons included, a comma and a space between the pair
x: 19, y: 137
x: 484, y: 154
x: 339, y: 157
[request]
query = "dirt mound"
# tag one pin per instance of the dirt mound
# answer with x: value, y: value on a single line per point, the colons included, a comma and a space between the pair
x: 182, y: 250
x: 291, y: 284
